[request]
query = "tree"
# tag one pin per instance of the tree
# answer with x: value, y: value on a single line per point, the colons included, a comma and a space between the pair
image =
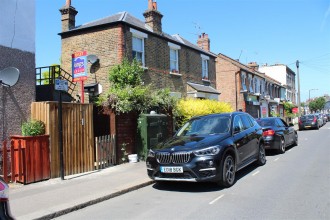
x: 47, y: 75
x: 317, y: 104
x: 127, y: 93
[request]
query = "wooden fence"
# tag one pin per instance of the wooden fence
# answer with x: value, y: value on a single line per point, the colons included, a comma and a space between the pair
x: 5, y: 161
x: 78, y: 135
x: 105, y: 147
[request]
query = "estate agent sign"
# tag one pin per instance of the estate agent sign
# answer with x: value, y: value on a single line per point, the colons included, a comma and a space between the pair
x: 79, y: 69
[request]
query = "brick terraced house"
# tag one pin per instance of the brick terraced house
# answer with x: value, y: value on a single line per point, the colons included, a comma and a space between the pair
x: 169, y: 61
x: 245, y: 88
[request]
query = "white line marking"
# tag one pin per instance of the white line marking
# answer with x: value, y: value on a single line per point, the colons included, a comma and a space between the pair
x: 277, y: 159
x: 213, y: 201
x: 255, y: 173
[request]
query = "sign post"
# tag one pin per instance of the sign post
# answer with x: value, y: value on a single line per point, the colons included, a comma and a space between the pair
x: 79, y: 69
x: 61, y: 85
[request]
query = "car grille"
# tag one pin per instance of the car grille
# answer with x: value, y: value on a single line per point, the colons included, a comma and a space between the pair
x: 175, y: 158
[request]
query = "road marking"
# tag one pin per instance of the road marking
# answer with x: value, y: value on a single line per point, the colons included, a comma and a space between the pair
x: 277, y: 159
x: 213, y: 201
x: 255, y: 173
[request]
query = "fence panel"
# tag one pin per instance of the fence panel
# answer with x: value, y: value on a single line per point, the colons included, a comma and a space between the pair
x: 78, y: 135
x: 105, y: 147
x: 5, y: 162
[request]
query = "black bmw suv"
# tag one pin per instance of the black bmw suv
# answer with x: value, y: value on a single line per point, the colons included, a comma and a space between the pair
x: 208, y: 148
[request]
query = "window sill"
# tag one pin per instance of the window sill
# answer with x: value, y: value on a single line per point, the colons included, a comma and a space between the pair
x: 175, y: 74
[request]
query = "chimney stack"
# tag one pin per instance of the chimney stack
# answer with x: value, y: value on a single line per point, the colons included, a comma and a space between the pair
x: 253, y: 65
x: 204, y: 42
x: 68, y: 16
x: 153, y: 17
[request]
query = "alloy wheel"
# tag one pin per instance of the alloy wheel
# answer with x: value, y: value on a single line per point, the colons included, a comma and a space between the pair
x: 229, y: 171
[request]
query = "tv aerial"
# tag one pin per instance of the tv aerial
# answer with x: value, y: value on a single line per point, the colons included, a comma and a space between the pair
x: 9, y: 76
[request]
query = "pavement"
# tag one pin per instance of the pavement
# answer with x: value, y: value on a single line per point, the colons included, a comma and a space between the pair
x: 55, y: 197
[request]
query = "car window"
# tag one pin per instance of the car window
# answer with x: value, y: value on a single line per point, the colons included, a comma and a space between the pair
x: 238, y: 124
x: 279, y: 123
x: 265, y: 122
x: 253, y: 121
x: 205, y: 126
x: 246, y: 121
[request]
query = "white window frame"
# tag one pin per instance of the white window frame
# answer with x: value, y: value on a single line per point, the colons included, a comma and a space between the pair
x: 142, y: 36
x: 205, y: 67
x: 175, y: 48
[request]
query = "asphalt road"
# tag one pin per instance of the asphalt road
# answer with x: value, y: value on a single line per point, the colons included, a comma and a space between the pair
x: 294, y: 185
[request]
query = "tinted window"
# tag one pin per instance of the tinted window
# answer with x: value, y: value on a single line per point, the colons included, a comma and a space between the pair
x: 265, y: 122
x: 279, y: 123
x: 205, y: 126
x: 238, y: 124
x: 246, y: 122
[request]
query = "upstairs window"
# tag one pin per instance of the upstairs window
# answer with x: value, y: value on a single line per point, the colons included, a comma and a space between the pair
x: 138, y: 49
x: 243, y: 82
x: 174, y: 58
x: 250, y: 84
x: 138, y: 45
x: 205, y: 67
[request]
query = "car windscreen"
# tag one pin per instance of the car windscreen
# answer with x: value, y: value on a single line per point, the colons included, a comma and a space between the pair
x: 266, y: 122
x: 205, y: 126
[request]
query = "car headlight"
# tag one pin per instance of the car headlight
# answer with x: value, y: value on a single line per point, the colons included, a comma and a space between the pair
x: 207, y: 151
x: 151, y: 153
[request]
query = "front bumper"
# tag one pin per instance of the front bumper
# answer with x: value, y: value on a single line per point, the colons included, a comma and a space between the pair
x: 198, y: 169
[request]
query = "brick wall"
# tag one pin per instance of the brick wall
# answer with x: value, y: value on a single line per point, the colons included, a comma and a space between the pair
x: 114, y: 43
x: 15, y: 101
x: 226, y: 73
x: 102, y: 42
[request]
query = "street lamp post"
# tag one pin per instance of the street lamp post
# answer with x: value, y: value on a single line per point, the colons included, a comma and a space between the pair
x: 297, y: 64
x: 309, y: 97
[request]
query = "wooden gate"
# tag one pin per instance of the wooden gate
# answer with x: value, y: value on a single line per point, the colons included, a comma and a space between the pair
x: 78, y: 135
x: 105, y: 151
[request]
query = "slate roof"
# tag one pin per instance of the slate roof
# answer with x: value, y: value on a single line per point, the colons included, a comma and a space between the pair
x: 202, y: 88
x: 125, y: 17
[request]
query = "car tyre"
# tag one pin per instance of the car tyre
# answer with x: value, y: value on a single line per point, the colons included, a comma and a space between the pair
x: 281, y: 147
x: 261, y: 155
x: 228, y: 171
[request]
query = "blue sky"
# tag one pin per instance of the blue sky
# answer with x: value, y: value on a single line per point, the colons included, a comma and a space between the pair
x: 264, y: 31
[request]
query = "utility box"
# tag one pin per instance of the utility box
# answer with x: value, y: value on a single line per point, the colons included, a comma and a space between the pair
x: 152, y: 129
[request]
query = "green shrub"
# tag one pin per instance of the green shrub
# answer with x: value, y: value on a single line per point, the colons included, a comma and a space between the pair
x: 188, y: 108
x: 33, y: 128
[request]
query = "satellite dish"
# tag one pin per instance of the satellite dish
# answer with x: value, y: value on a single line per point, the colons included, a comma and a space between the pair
x: 9, y: 76
x: 92, y: 59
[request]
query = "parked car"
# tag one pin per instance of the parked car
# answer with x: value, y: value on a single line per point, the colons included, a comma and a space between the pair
x: 309, y: 122
x: 320, y: 119
x: 277, y: 133
x: 328, y: 115
x: 325, y: 118
x: 5, y: 213
x: 208, y: 148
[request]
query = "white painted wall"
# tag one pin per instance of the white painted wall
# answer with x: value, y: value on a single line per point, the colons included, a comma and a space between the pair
x: 276, y: 72
x: 17, y: 24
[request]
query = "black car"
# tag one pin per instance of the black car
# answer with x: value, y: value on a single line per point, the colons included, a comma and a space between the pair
x: 277, y: 133
x: 5, y: 213
x: 208, y: 148
x: 309, y: 122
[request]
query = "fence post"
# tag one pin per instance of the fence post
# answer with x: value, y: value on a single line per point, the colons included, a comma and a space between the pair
x: 5, y: 161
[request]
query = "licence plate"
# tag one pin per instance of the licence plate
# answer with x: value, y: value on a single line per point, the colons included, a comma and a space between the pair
x: 171, y: 169
x: 307, y: 126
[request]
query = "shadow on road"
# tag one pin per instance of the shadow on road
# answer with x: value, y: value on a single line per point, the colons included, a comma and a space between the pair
x: 200, y: 186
